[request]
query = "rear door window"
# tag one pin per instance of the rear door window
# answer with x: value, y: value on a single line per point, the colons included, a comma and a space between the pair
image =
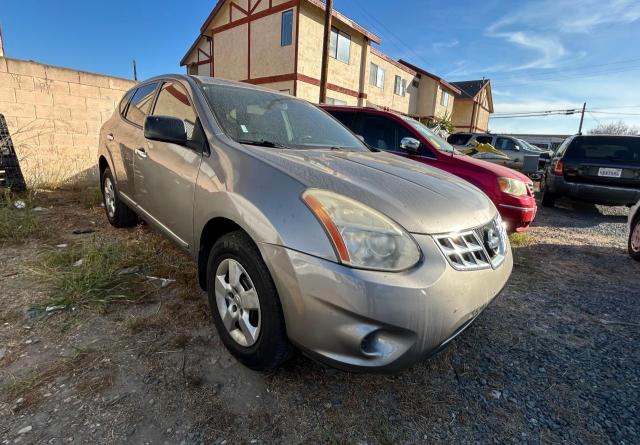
x: 605, y: 149
x: 140, y: 105
x: 125, y: 101
x: 505, y: 144
x: 459, y: 139
x: 484, y: 139
x: 345, y: 117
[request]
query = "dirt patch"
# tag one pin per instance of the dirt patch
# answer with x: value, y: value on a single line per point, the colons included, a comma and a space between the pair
x: 554, y: 358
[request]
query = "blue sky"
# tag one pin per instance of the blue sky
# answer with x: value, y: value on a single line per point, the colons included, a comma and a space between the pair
x: 540, y: 55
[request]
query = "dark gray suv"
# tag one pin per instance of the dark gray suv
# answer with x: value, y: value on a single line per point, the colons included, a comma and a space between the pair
x: 597, y: 169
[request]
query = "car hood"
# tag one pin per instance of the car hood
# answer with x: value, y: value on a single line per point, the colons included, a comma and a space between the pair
x: 490, y: 167
x: 422, y: 199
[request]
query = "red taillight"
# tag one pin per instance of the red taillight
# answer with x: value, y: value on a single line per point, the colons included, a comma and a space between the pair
x: 558, y: 168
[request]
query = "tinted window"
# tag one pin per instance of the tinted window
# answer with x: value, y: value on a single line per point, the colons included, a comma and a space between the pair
x: 383, y: 133
x: 505, y: 144
x: 286, y: 31
x: 125, y: 101
x: 484, y: 139
x: 459, y: 139
x: 345, y: 117
x: 173, y: 101
x: 254, y: 116
x: 141, y: 104
x: 605, y: 149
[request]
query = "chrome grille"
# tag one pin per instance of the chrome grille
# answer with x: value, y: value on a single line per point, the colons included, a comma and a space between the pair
x: 479, y: 248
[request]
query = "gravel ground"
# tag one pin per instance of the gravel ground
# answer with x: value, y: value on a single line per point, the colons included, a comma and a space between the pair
x: 553, y: 359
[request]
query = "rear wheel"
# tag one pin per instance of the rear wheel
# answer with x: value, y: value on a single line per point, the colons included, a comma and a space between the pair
x: 634, y: 239
x: 245, y: 305
x: 118, y: 214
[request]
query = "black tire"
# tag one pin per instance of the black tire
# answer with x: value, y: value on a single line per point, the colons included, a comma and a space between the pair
x: 272, y: 347
x: 548, y: 198
x: 121, y: 215
x: 634, y: 226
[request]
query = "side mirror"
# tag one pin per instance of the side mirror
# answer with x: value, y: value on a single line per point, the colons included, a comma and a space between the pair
x: 410, y: 144
x: 165, y: 129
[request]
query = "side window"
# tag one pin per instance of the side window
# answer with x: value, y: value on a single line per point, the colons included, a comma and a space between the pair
x: 383, y: 133
x: 505, y: 144
x: 484, y: 139
x: 125, y: 101
x: 286, y: 30
x: 563, y: 147
x: 345, y: 117
x: 174, y: 101
x: 141, y: 104
x: 458, y: 139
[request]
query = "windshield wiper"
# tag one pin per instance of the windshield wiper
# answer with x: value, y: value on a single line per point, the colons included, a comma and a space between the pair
x: 262, y: 143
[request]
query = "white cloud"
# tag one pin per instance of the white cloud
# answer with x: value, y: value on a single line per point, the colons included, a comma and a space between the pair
x: 445, y: 45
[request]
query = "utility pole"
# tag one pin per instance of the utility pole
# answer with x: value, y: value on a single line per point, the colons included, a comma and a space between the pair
x: 135, y: 70
x: 326, y: 45
x: 584, y: 107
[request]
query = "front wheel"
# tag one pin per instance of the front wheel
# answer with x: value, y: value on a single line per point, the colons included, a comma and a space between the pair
x: 245, y: 305
x: 634, y: 240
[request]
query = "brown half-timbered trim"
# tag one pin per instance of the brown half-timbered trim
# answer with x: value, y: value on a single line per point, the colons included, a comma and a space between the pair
x: 256, y: 16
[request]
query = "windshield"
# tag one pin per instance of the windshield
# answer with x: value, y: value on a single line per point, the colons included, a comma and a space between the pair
x: 433, y: 138
x: 274, y: 120
x: 528, y: 146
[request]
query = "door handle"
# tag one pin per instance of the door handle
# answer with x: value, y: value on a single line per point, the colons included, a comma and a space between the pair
x: 110, y: 137
x: 141, y: 152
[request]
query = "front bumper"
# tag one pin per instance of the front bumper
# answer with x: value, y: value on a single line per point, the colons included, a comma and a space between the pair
x: 378, y: 321
x: 592, y: 193
x: 518, y: 214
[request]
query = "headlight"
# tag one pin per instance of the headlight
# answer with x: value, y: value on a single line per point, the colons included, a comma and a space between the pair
x: 512, y: 186
x: 361, y: 236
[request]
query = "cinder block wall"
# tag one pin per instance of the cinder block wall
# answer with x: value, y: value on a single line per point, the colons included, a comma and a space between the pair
x: 54, y: 116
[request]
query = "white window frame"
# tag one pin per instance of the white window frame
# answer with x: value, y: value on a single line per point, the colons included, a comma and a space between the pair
x: 400, y: 86
x: 444, y: 99
x: 376, y: 75
x: 339, y: 38
x: 333, y: 101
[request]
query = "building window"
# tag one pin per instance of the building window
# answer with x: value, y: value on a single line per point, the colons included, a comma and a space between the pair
x: 286, y: 31
x: 400, y: 87
x: 444, y: 99
x: 376, y: 76
x: 332, y: 101
x: 340, y: 47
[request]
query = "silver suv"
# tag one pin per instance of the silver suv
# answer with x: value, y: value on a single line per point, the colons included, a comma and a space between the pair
x: 302, y: 235
x: 516, y: 150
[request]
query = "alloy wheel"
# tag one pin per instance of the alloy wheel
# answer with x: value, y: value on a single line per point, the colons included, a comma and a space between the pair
x: 109, y: 197
x: 635, y: 238
x: 237, y: 302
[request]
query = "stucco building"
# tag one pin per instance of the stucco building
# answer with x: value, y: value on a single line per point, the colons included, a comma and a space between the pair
x: 473, y: 105
x: 278, y: 44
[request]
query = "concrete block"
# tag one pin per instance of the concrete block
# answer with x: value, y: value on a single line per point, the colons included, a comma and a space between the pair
x: 85, y: 140
x: 25, y: 68
x: 51, y: 86
x: 88, y: 115
x: 100, y: 104
x: 3, y: 65
x: 52, y: 112
x: 94, y: 80
x: 62, y: 74
x: 34, y: 97
x: 77, y: 89
x: 62, y: 140
x: 121, y: 84
x: 93, y: 127
x: 71, y: 127
x: 18, y: 109
x: 115, y: 95
x: 8, y: 80
x: 7, y: 95
x: 65, y: 100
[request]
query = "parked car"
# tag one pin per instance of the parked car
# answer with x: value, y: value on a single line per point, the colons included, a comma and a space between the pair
x: 634, y: 232
x: 302, y: 235
x: 516, y: 149
x: 510, y: 191
x: 596, y: 169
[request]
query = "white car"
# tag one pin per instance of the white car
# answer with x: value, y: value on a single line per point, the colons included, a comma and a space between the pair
x: 634, y: 232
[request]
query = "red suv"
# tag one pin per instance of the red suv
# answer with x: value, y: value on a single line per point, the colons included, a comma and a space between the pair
x: 510, y: 191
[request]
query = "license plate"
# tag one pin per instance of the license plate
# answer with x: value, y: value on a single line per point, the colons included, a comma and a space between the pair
x: 610, y: 172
